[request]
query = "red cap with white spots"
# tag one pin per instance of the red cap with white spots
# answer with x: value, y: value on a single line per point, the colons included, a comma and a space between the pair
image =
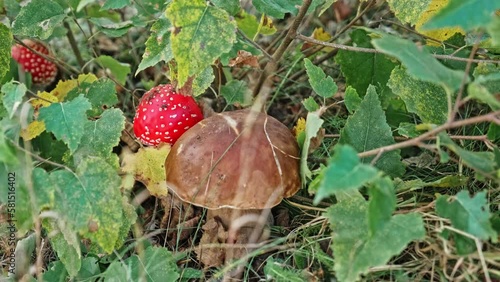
x: 42, y: 70
x: 164, y: 115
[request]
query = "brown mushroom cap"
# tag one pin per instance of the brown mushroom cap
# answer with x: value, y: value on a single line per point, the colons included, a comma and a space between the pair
x: 240, y: 159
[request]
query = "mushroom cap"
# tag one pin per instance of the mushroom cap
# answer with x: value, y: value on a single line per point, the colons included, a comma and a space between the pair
x: 240, y: 159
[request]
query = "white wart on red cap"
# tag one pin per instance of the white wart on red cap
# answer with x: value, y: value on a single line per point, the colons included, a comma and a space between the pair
x: 164, y: 115
x: 42, y: 70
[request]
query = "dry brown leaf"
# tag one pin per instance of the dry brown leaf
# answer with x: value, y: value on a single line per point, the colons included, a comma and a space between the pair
x: 244, y: 58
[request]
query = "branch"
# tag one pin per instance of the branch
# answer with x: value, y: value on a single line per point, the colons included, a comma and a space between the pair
x: 491, y: 117
x: 375, y: 51
x: 266, y: 78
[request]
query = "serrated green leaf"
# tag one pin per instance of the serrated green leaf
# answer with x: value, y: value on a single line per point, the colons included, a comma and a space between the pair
x: 367, y: 129
x: 66, y: 120
x: 471, y: 215
x: 13, y: 96
x: 355, y: 250
x: 90, y: 200
x: 425, y: 99
x: 277, y: 8
x: 310, y: 104
x: 202, y: 81
x: 100, y: 136
x: 118, y: 70
x: 38, y: 19
x: 352, y: 99
x: 5, y: 47
x: 408, y: 11
x: 344, y: 172
x: 115, y: 4
x: 202, y: 33
x: 237, y: 92
x: 468, y: 15
x: 230, y: 6
x: 494, y: 30
x: 322, y: 84
x: 381, y: 205
x: 313, y: 125
x: 157, y: 264
x: 100, y: 93
x: 480, y: 161
x: 419, y: 63
x: 158, y: 46
x: 364, y: 69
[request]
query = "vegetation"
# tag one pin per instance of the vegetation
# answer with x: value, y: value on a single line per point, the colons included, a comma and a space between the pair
x: 395, y: 106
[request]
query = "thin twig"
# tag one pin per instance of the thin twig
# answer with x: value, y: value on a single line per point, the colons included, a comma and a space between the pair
x: 266, y: 77
x: 491, y: 117
x: 74, y: 45
x: 375, y: 51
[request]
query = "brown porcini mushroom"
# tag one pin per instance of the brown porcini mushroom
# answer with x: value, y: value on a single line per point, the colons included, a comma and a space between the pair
x: 234, y: 164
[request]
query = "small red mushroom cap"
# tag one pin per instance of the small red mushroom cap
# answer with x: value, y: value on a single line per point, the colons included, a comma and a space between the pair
x: 42, y: 70
x: 164, y: 115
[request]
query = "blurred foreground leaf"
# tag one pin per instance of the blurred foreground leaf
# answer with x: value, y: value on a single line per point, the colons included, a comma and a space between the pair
x: 471, y: 215
x: 5, y: 45
x: 38, y: 19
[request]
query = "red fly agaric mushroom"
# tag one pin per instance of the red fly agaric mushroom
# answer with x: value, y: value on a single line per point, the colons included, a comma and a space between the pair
x: 164, y: 115
x: 233, y: 164
x: 42, y: 70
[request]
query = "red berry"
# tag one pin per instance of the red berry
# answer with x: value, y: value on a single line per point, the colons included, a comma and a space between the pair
x: 164, y: 115
x: 42, y: 71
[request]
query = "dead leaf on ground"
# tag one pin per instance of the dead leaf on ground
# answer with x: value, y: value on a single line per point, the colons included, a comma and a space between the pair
x: 244, y: 58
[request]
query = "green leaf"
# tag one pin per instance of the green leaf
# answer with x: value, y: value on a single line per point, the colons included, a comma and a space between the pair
x: 313, y: 125
x: 355, y: 249
x: 202, y: 33
x: 5, y: 46
x: 117, y: 69
x: 66, y: 244
x: 14, y: 93
x: 481, y: 93
x: 158, y: 46
x: 276, y: 271
x: 111, y: 28
x: 381, y: 205
x: 344, y: 172
x: 55, y: 272
x: 157, y: 264
x: 310, y: 104
x: 277, y: 8
x: 66, y: 120
x: 115, y: 4
x: 101, y: 94
x: 364, y: 69
x: 449, y: 181
x: 237, y: 92
x: 230, y: 6
x: 203, y: 81
x: 468, y: 15
x: 425, y: 99
x: 7, y: 154
x: 479, y: 161
x: 352, y: 99
x: 90, y: 200
x: 100, y: 136
x: 322, y: 84
x: 38, y: 19
x: 494, y: 30
x: 367, y: 129
x: 471, y: 215
x: 419, y: 63
x: 408, y: 11
x: 247, y: 23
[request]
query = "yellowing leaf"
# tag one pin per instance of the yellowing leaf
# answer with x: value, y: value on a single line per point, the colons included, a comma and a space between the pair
x: 441, y: 33
x: 63, y: 87
x: 300, y: 126
x: 44, y: 101
x: 148, y: 167
x: 266, y: 26
x: 34, y: 129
